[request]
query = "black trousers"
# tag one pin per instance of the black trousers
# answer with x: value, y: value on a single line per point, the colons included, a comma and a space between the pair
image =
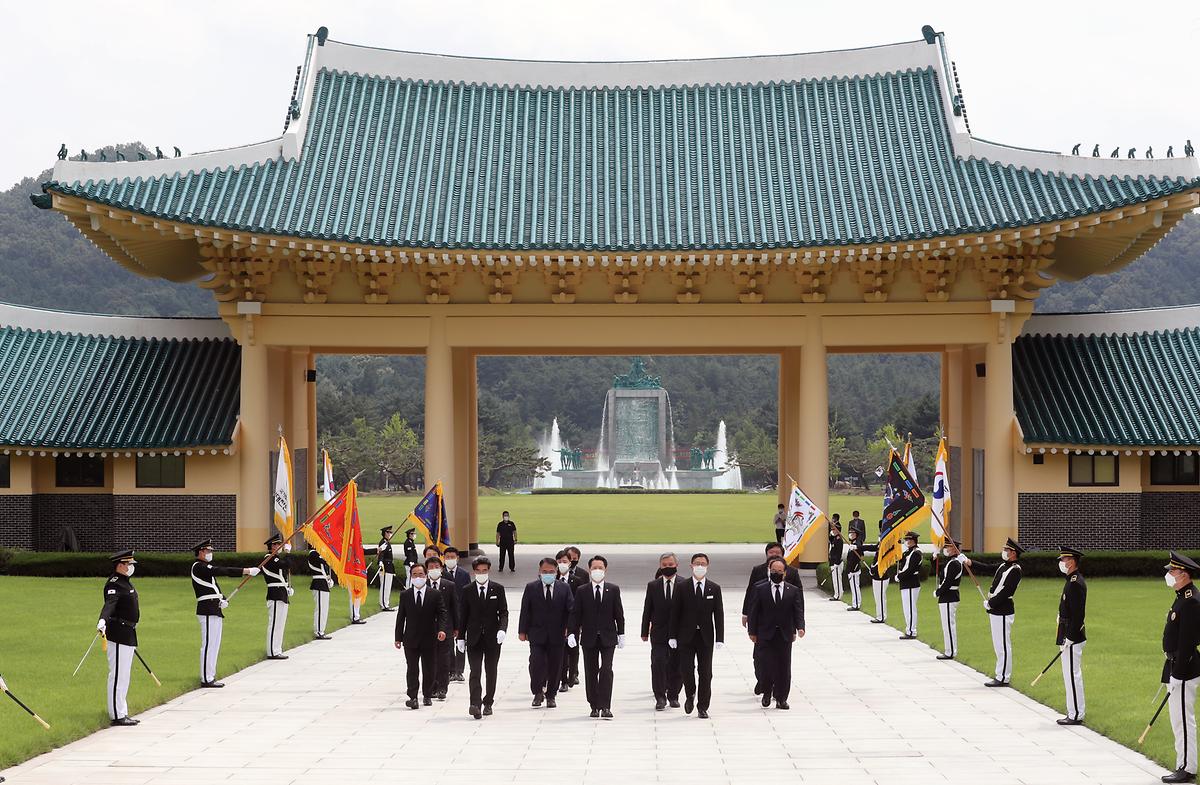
x: 545, y: 667
x: 420, y: 668
x: 460, y: 662
x: 598, y: 675
x: 666, y: 678
x: 509, y: 548
x: 570, y: 664
x: 485, y: 653
x: 695, y: 660
x: 779, y: 536
x: 775, y: 656
x: 443, y: 661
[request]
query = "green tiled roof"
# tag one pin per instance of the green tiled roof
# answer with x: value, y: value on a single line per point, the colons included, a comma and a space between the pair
x: 65, y: 390
x: 1139, y: 389
x: 848, y: 160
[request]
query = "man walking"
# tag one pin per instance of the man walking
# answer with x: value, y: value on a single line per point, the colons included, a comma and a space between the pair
x: 1181, y: 671
x: 575, y: 576
x: 481, y: 633
x: 462, y: 579
x: 776, y: 621
x: 1072, y: 607
x: 209, y: 603
x: 443, y: 654
x: 322, y: 582
x: 279, y: 591
x: 506, y: 541
x: 780, y: 523
x: 908, y: 575
x: 118, y: 624
x: 666, y: 678
x: 950, y: 572
x: 1000, y: 607
x: 697, y: 627
x: 545, y: 611
x: 421, y: 623
x: 597, y: 625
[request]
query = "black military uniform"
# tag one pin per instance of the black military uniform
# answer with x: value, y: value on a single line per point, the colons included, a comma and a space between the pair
x: 854, y: 562
x: 836, y: 567
x: 908, y: 575
x: 949, y: 574
x: 1071, y: 637
x: 386, y: 566
x: 410, y: 549
x: 322, y: 582
x: 277, y: 576
x: 118, y: 623
x: 1181, y: 671
x: 879, y: 582
x: 1001, y: 609
x: 209, y: 602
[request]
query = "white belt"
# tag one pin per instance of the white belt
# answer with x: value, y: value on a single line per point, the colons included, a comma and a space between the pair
x: 280, y: 582
x: 204, y: 597
x: 208, y: 585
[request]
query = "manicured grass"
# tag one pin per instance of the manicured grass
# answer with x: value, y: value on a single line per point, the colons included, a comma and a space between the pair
x: 1122, y: 660
x: 48, y: 623
x: 646, y: 518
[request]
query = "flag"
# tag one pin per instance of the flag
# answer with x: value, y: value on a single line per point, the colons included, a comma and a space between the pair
x: 910, y: 464
x: 429, y: 517
x: 285, y: 501
x: 335, y: 534
x: 804, y: 518
x: 939, y: 522
x: 905, y: 510
x: 328, y: 491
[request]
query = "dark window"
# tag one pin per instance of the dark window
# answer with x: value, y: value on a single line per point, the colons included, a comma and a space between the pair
x: 1093, y: 470
x: 160, y: 471
x: 85, y: 472
x: 1175, y: 469
x: 1039, y: 459
x: 5, y: 471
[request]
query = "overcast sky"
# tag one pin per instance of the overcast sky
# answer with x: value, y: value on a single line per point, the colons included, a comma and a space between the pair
x: 217, y: 73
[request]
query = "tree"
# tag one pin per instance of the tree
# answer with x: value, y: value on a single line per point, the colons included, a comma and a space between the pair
x: 756, y: 453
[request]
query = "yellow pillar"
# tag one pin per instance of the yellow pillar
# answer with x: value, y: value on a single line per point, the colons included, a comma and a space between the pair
x: 814, y: 416
x: 439, y: 414
x: 254, y: 450
x: 314, y: 462
x: 998, y: 499
x: 954, y: 423
x: 297, y: 430
x: 789, y: 426
x: 465, y: 491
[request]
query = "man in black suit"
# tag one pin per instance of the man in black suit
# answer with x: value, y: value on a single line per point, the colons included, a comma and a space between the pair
x: 575, y: 576
x: 666, y: 679
x: 776, y: 620
x: 773, y: 550
x: 597, y: 625
x: 443, y: 659
x: 545, y: 611
x: 460, y: 578
x: 481, y: 632
x: 421, y: 622
x: 697, y: 627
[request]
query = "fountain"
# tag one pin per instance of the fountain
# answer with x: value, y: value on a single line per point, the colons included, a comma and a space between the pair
x: 731, y: 476
x: 550, y: 446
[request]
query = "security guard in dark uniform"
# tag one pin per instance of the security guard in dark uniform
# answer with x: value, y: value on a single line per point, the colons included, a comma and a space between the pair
x: 1072, y: 606
x: 118, y: 623
x: 279, y: 591
x: 1181, y: 671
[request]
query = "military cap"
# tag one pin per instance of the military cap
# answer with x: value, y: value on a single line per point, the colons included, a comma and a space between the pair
x: 122, y: 557
x: 1065, y: 551
x: 910, y: 536
x: 409, y: 531
x: 273, y: 539
x: 202, y: 545
x: 1013, y: 545
x: 385, y: 530
x: 1180, y: 562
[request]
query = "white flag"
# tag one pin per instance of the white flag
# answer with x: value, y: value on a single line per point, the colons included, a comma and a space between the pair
x: 328, y: 491
x: 941, y: 503
x: 804, y: 519
x: 284, y: 501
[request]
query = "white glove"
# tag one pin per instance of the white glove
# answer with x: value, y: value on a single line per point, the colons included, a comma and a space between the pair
x: 571, y: 642
x: 987, y: 605
x: 461, y: 645
x: 100, y: 625
x: 252, y: 571
x: 961, y: 558
x: 620, y: 641
x: 720, y: 645
x: 499, y: 636
x: 330, y: 582
x: 291, y: 591
x: 3, y: 685
x: 674, y: 644
x: 224, y: 603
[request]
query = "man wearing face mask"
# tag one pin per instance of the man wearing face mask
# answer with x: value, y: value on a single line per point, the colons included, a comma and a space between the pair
x: 1181, y: 671
x: 879, y: 584
x: 385, y: 567
x: 545, y: 611
x: 462, y: 579
x: 854, y: 562
x: 481, y: 633
x: 1072, y: 607
x: 908, y: 575
x: 780, y: 523
x: 697, y: 627
x: 209, y: 603
x: 575, y: 577
x: 836, y: 549
x: 758, y: 575
x: 950, y: 572
x: 421, y: 624
x: 118, y: 624
x: 597, y: 625
x: 776, y: 621
x: 322, y: 582
x: 443, y: 654
x: 666, y: 678
x: 279, y: 591
x: 506, y: 541
x: 1000, y: 607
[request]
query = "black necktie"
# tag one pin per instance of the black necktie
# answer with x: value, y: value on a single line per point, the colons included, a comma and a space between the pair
x: 699, y: 590
x: 668, y: 583
x: 419, y: 598
x: 598, y: 594
x: 548, y: 591
x: 482, y: 592
x: 778, y: 593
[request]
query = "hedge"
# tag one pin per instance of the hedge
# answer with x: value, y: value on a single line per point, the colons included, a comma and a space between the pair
x: 58, y: 564
x: 632, y: 491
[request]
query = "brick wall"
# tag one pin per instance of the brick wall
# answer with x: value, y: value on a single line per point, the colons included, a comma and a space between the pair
x: 16, y: 521
x: 174, y: 523
x: 89, y: 514
x: 1095, y: 521
x: 1171, y: 519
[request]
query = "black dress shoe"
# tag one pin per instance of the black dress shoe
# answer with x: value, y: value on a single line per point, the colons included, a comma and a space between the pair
x: 945, y: 657
x: 412, y: 703
x: 877, y: 621
x: 123, y: 722
x: 907, y: 637
x: 457, y: 677
x: 537, y: 700
x: 1181, y: 775
x: 277, y: 657
x: 852, y: 608
x: 475, y: 712
x: 551, y: 703
x: 835, y: 599
x: 564, y: 687
x: 766, y: 699
x: 995, y: 683
x: 660, y: 704
x: 758, y: 688
x: 387, y: 610
x: 1068, y: 721
x: 427, y: 701
x: 574, y: 681
x: 702, y: 714
x: 688, y: 704
x: 322, y: 637
x: 212, y: 685
x: 359, y: 621
x: 782, y: 705
x: 605, y: 714
x: 487, y: 711
x: 440, y: 695
x: 595, y: 713
x: 673, y: 703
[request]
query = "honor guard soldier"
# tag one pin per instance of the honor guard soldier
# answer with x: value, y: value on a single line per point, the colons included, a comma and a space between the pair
x: 386, y: 566
x: 836, y: 566
x: 322, y: 582
x: 1181, y: 671
x: 276, y: 574
x: 854, y: 562
x: 1071, y: 608
x: 879, y: 584
x: 118, y: 624
x: 410, y: 550
x: 908, y: 575
x: 209, y: 603
x: 950, y: 572
x: 1000, y: 607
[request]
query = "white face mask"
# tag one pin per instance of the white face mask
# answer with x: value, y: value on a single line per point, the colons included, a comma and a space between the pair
x: 207, y: 557
x: 597, y: 575
x: 564, y: 567
x: 699, y: 571
x: 1006, y: 555
x: 1170, y: 579
x: 287, y: 547
x: 129, y: 571
x: 1062, y: 567
x: 451, y: 564
x: 418, y: 583
x: 946, y: 552
x: 435, y: 575
x: 481, y: 577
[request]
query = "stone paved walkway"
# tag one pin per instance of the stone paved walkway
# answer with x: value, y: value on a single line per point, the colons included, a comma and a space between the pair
x: 334, y: 713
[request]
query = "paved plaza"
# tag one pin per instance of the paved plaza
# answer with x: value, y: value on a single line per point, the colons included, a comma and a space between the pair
x: 334, y: 712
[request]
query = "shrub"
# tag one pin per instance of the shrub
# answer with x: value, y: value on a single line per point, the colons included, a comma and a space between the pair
x: 57, y: 564
x: 630, y: 491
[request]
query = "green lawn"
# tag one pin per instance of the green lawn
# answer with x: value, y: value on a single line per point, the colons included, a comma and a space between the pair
x: 1122, y: 659
x: 49, y: 622
x: 640, y: 518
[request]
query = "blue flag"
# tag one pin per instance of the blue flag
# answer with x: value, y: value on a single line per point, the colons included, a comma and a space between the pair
x: 429, y: 517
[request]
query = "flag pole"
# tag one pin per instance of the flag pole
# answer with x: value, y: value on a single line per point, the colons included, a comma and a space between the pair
x: 31, y: 712
x: 1043, y: 673
x: 95, y: 638
x: 1142, y: 738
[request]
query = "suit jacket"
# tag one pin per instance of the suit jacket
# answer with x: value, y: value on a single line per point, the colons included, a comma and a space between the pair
x: 451, y: 599
x: 417, y: 626
x: 461, y: 577
x: 545, y: 622
x: 696, y: 620
x: 769, y: 618
x: 656, y: 612
x: 481, y: 618
x: 759, y: 574
x: 597, y: 624
x: 576, y: 577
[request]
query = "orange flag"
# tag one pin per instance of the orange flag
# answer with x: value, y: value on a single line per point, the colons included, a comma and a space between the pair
x: 336, y: 535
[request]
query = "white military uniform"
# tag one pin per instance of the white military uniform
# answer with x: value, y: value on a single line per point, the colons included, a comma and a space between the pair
x: 278, y: 592
x: 909, y: 572
x: 322, y: 582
